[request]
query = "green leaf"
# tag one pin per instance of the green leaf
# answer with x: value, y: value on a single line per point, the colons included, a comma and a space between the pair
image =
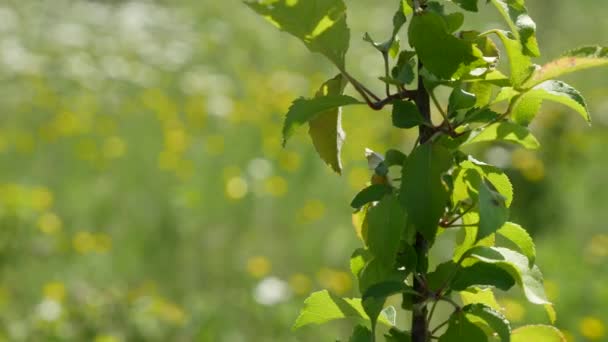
x: 372, y: 193
x: 527, y: 106
x: 376, y: 272
x: 541, y: 333
x: 439, y: 278
x: 320, y: 24
x: 520, y: 65
x: 528, y: 278
x: 325, y: 129
x: 477, y: 295
x: 358, y: 259
x: 468, y: 177
x: 482, y: 274
x: 469, y: 5
x: 321, y: 307
x: 442, y: 53
x: 523, y: 27
x: 375, y: 296
x: 493, y: 212
x: 396, y: 335
x: 386, y: 289
x: 394, y: 157
x: 406, y: 115
x: 482, y: 92
x: 504, y: 131
x: 423, y: 194
x: 461, y: 329
x: 520, y: 237
x: 461, y: 99
x: 360, y: 334
x: 493, y: 318
x: 405, y: 70
x: 454, y: 21
x: 304, y: 110
x: 574, y: 60
x: 386, y: 224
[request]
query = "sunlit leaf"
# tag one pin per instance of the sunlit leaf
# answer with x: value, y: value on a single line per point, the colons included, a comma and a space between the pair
x: 520, y: 23
x: 528, y: 278
x: 325, y: 129
x: 520, y: 238
x: 478, y: 295
x: 304, y: 110
x: 504, y: 131
x: 493, y: 318
x: 527, y: 106
x: 574, y: 60
x: 520, y: 65
x: 320, y: 24
x: 321, y: 307
x: 541, y: 333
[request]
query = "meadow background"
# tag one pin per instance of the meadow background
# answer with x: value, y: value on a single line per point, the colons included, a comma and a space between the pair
x: 145, y: 196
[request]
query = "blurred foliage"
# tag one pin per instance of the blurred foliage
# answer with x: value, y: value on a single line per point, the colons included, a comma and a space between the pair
x: 144, y: 194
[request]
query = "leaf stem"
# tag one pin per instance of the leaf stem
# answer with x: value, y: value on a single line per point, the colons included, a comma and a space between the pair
x: 387, y: 86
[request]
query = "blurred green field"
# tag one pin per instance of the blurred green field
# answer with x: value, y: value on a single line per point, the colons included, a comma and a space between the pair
x: 145, y: 196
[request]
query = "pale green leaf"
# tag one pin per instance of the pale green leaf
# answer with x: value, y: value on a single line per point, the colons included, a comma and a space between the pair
x: 520, y: 65
x: 386, y: 224
x: 540, y: 333
x: 325, y: 129
x: 527, y: 106
x: 504, y: 131
x: 572, y: 61
x: 528, y: 278
x: 358, y: 259
x: 523, y: 27
x: 423, y: 193
x: 304, y: 110
x: 320, y: 24
x: 321, y: 307
x: 468, y: 177
x: 478, y: 295
x: 520, y: 237
x: 493, y: 318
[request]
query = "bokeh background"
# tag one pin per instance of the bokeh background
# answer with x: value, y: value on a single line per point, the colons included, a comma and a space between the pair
x: 144, y: 194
